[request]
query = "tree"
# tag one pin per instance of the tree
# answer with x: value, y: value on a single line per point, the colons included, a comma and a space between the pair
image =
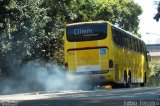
x: 33, y: 29
x: 22, y: 29
x: 157, y: 16
x: 122, y: 13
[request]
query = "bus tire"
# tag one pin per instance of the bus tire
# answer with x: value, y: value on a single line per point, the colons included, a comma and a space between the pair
x: 125, y: 83
x: 129, y: 80
x: 145, y: 77
x: 142, y: 84
x: 144, y: 80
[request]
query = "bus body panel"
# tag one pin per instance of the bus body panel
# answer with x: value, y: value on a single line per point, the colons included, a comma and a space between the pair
x: 128, y: 61
x: 92, y: 59
x: 95, y: 56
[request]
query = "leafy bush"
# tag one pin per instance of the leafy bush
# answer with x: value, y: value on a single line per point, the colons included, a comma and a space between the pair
x: 33, y: 29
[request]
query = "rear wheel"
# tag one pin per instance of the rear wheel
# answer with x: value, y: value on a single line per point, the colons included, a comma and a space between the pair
x: 129, y: 80
x: 125, y: 80
x: 142, y: 84
x: 144, y: 80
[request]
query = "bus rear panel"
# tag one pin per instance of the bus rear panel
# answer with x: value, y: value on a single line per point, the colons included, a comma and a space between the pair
x: 87, y: 53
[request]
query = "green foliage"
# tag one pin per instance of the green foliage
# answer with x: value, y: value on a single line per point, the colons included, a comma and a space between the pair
x: 154, y: 65
x: 22, y: 34
x: 33, y: 29
x: 157, y: 16
x: 122, y: 13
x: 154, y: 76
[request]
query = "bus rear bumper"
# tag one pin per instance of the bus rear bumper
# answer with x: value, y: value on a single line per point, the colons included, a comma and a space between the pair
x: 91, y: 77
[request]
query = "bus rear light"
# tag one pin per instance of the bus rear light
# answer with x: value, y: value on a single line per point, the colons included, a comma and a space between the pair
x: 110, y: 64
x: 66, y: 66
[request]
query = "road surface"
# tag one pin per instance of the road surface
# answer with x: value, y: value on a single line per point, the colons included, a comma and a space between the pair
x: 146, y: 96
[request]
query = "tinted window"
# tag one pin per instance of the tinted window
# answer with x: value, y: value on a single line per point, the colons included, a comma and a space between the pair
x: 126, y: 40
x: 141, y: 47
x: 86, y: 32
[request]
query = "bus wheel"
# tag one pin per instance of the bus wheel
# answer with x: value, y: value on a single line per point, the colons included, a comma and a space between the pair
x: 125, y: 80
x: 142, y: 84
x: 144, y: 80
x: 129, y: 80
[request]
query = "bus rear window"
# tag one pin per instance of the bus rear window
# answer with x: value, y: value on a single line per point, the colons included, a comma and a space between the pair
x: 86, y: 32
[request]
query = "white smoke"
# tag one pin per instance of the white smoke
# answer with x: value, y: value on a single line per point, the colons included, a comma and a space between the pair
x: 158, y: 41
x: 38, y: 77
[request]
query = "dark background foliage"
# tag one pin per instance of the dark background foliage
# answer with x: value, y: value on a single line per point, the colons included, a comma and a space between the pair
x: 32, y: 30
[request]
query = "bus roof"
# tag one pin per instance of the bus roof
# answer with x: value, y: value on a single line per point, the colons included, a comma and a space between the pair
x: 90, y: 22
x: 102, y: 21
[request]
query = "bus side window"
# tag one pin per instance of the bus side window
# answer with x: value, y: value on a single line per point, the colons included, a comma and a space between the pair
x: 115, y: 37
x: 127, y: 46
x: 128, y: 42
x: 125, y: 41
x: 139, y: 46
x: 132, y: 44
x: 148, y: 57
x: 120, y: 38
x: 142, y: 47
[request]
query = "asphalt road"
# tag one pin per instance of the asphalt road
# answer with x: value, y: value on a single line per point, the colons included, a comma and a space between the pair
x: 146, y: 96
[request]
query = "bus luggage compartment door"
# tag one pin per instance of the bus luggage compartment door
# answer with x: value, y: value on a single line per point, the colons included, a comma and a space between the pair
x: 88, y: 59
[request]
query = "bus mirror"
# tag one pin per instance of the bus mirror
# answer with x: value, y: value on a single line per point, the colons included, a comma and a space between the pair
x: 148, y: 56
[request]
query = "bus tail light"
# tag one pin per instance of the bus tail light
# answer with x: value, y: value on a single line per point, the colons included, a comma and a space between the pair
x: 66, y: 66
x: 110, y: 64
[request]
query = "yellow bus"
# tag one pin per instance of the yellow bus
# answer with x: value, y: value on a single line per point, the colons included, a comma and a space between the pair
x: 105, y: 54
